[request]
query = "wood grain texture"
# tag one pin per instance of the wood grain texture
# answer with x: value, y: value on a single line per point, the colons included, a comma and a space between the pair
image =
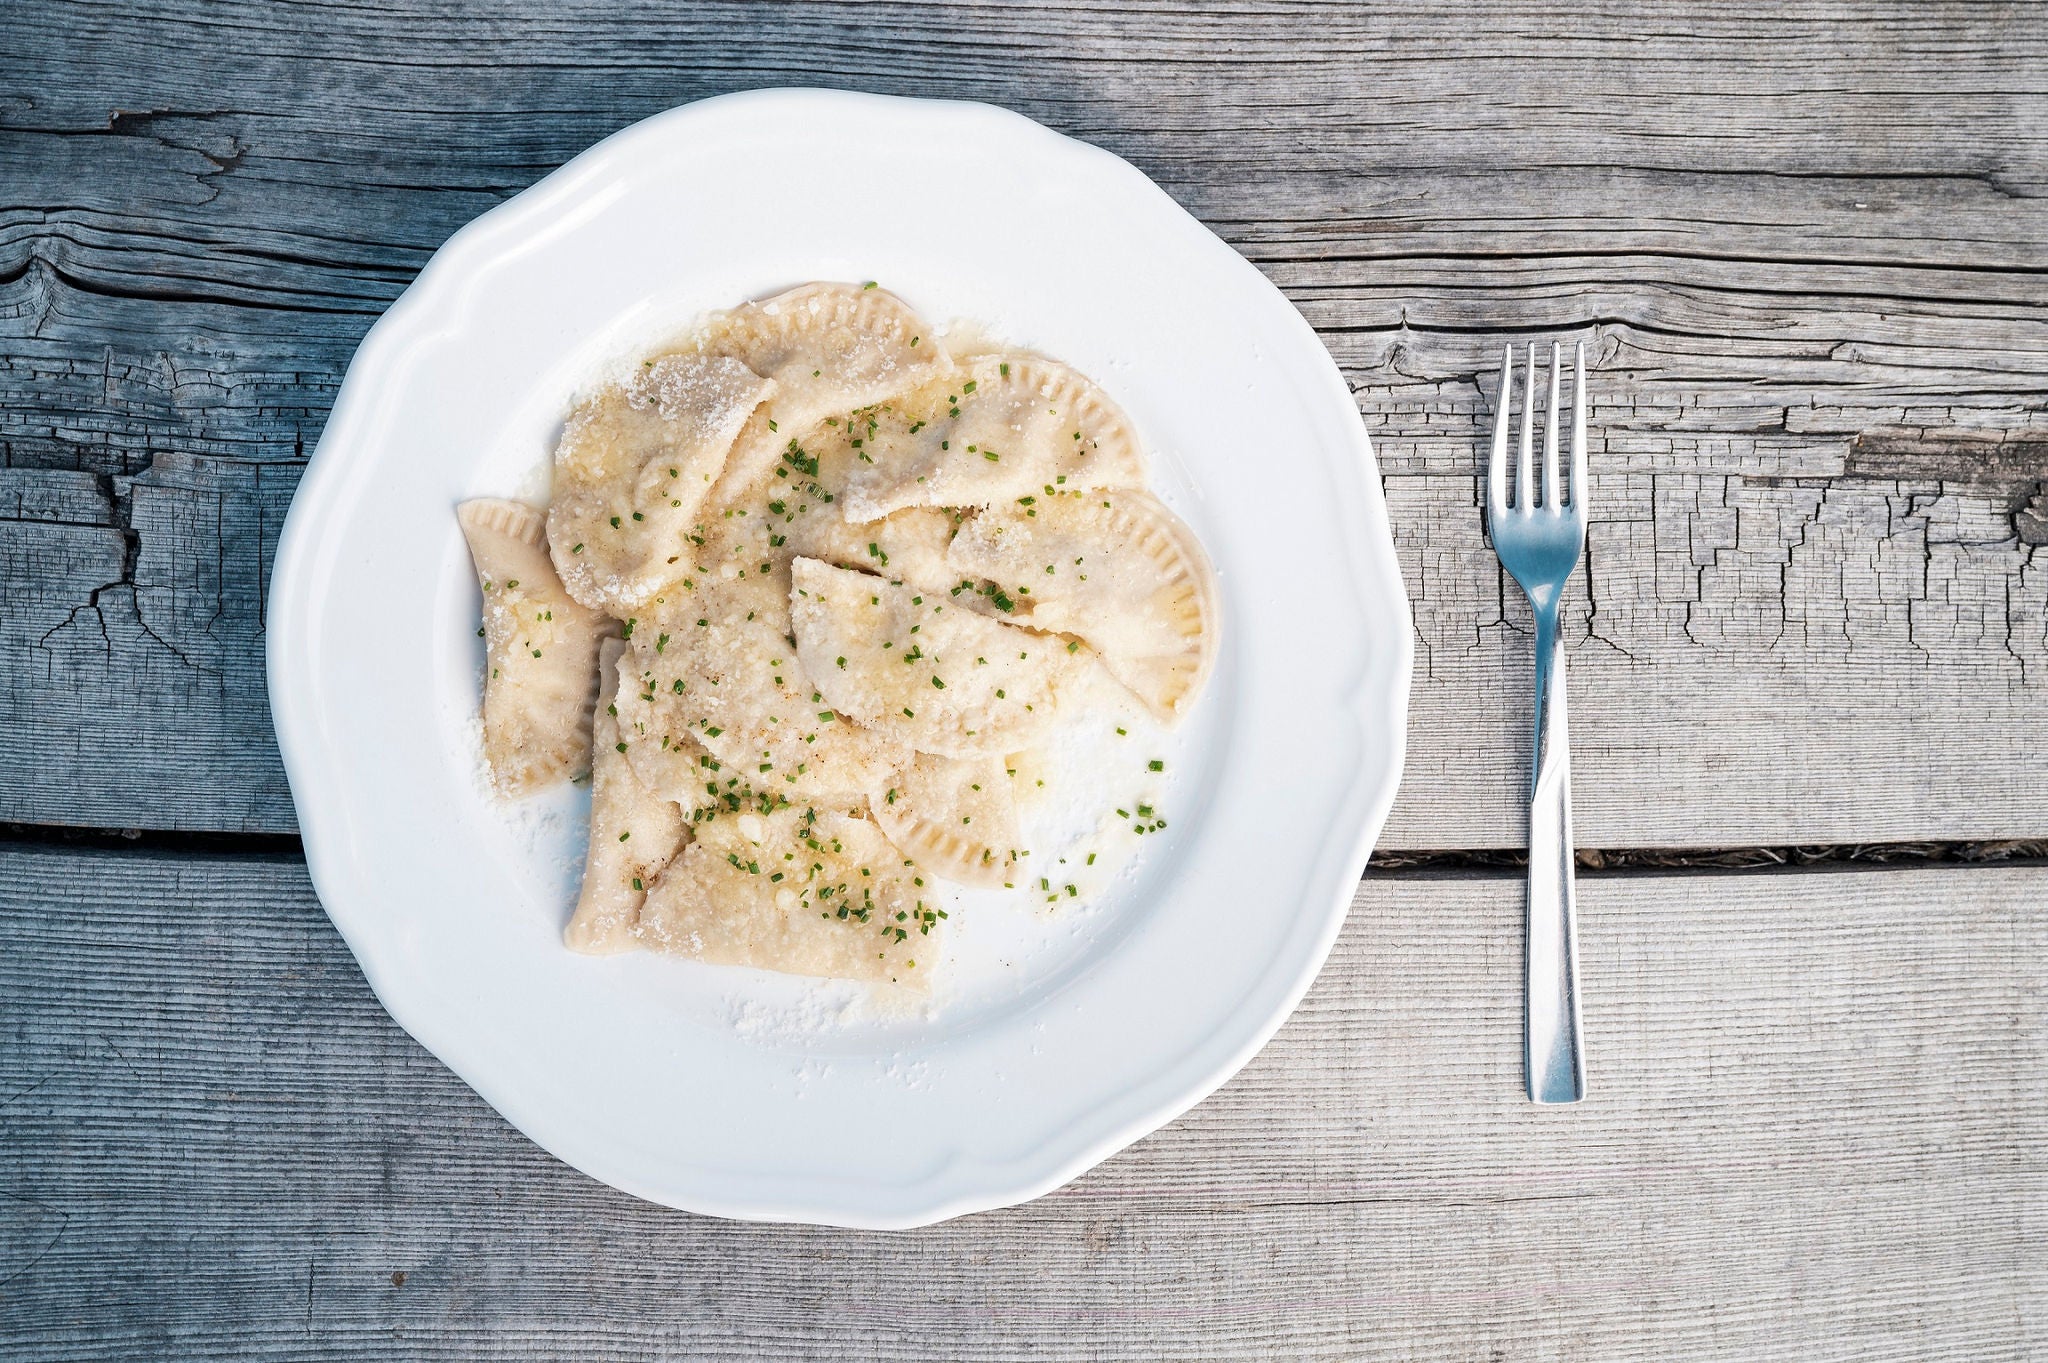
x: 1818, y: 1130
x: 131, y: 624
x: 1808, y: 251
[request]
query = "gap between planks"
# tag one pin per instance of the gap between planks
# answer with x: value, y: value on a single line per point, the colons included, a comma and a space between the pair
x: 1406, y: 862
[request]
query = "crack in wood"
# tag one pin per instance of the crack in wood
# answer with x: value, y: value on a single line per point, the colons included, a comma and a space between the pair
x: 2030, y: 522
x: 44, y: 1212
x: 1591, y: 860
x: 1594, y: 860
x: 145, y: 601
x: 1988, y: 465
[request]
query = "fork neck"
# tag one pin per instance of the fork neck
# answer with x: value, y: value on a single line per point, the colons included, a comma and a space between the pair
x: 1549, y: 683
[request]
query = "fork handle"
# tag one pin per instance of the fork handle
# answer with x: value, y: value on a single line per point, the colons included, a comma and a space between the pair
x: 1556, y: 1061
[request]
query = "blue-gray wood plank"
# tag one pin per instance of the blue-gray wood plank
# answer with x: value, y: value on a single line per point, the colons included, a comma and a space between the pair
x: 1818, y: 1131
x: 1794, y: 238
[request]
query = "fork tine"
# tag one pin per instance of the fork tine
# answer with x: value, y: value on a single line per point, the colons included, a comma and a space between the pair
x: 1522, y: 503
x: 1579, y: 488
x: 1553, y: 417
x: 1497, y: 467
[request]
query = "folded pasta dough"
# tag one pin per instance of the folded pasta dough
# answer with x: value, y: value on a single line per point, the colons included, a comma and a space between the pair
x: 830, y: 348
x: 918, y: 669
x: 540, y: 649
x: 998, y: 429
x: 1115, y: 569
x: 908, y: 546
x: 789, y: 511
x: 842, y: 577
x: 663, y: 756
x: 634, y: 833
x: 633, y: 468
x: 729, y: 680
x: 955, y: 817
x: 802, y: 890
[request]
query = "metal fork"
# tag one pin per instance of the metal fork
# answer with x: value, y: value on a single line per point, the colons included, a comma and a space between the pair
x: 1539, y: 538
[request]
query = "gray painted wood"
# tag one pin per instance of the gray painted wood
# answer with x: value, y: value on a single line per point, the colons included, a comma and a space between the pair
x: 1818, y: 1130
x: 1808, y: 251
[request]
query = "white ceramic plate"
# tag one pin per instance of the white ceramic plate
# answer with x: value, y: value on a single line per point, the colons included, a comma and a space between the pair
x: 734, y: 1092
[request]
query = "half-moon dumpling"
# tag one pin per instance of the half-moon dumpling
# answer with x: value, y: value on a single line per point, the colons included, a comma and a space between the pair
x: 917, y: 667
x: 830, y: 347
x: 633, y: 468
x: 802, y: 891
x: 634, y: 833
x: 737, y: 687
x: 954, y: 817
x: 1117, y: 570
x: 997, y: 429
x: 540, y: 649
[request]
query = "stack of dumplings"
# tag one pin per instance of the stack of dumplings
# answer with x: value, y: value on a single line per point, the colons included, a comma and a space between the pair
x: 807, y: 582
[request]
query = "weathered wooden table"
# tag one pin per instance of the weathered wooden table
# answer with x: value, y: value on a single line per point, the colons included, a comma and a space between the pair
x: 1810, y: 253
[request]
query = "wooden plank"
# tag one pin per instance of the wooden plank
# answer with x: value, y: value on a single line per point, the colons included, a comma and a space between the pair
x: 1809, y: 260
x: 1776, y: 626
x: 131, y: 639
x: 1818, y: 1130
